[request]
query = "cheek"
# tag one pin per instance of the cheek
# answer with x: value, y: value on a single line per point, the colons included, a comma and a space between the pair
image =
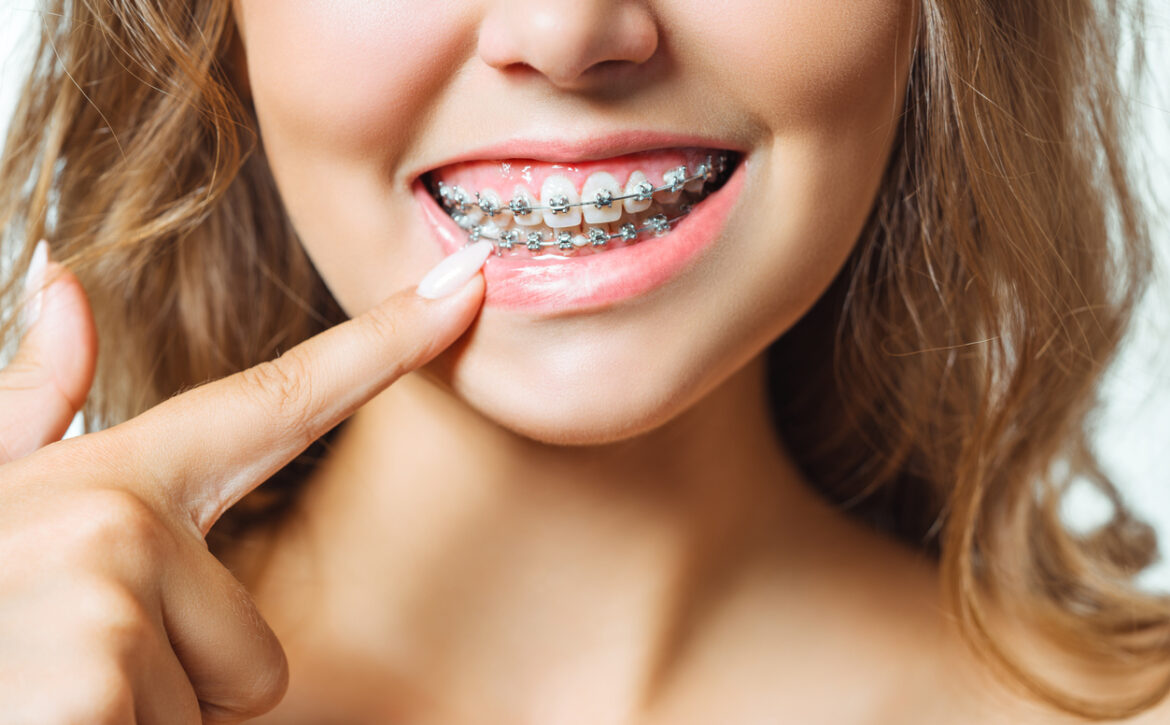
x: 338, y: 87
x: 793, y: 60
x: 823, y: 81
x: 820, y: 81
x: 341, y: 74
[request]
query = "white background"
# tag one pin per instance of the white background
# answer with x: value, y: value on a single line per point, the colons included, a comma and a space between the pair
x: 1134, y: 435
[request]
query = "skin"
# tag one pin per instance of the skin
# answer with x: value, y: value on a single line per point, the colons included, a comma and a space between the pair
x: 479, y: 522
x: 112, y: 610
x: 340, y: 88
x: 484, y: 544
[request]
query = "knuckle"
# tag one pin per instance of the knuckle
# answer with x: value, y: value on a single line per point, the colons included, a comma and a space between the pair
x: 283, y: 385
x: 115, y: 616
x: 97, y: 695
x: 384, y: 325
x: 111, y: 698
x: 382, y: 322
x: 102, y: 521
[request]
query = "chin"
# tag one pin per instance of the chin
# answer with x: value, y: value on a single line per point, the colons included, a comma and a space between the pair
x: 562, y: 405
x: 574, y: 418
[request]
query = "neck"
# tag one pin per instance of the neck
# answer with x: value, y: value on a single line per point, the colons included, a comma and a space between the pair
x: 473, y: 558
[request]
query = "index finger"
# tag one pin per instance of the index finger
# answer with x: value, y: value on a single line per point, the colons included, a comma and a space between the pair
x: 210, y: 446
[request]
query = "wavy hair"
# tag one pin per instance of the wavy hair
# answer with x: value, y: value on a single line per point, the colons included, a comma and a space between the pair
x: 967, y: 333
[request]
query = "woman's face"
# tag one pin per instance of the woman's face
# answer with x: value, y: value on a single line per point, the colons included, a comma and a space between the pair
x: 364, y: 107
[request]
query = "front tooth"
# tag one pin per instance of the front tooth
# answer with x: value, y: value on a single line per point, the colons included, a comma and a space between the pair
x: 564, y: 240
x: 596, y: 210
x: 522, y: 200
x: 559, y: 192
x: 637, y: 184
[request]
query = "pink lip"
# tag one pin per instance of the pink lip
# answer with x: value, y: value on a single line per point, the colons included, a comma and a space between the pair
x: 576, y: 284
x: 601, y: 146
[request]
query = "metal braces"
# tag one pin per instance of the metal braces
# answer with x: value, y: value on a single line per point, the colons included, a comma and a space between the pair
x: 534, y: 241
x: 458, y: 202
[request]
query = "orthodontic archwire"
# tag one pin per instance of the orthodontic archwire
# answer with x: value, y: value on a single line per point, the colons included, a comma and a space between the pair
x: 457, y: 202
x: 453, y: 196
x: 598, y: 237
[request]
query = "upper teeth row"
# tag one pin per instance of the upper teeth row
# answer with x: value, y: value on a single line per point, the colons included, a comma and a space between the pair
x: 559, y: 194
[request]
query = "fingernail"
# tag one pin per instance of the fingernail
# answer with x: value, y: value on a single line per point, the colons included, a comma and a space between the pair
x: 34, y: 282
x: 453, y: 272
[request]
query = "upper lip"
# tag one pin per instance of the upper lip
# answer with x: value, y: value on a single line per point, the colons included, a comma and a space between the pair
x: 584, y: 148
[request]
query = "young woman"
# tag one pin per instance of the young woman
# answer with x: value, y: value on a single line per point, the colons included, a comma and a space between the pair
x: 760, y: 410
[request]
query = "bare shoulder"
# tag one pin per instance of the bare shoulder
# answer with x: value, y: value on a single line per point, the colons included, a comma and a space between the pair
x: 960, y: 688
x: 860, y: 636
x: 992, y: 703
x: 965, y: 691
x: 913, y: 664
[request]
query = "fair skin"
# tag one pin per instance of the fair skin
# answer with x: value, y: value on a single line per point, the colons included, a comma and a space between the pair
x: 502, y: 533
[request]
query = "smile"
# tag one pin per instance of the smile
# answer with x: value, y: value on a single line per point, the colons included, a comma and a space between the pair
x: 583, y: 235
x: 581, y: 207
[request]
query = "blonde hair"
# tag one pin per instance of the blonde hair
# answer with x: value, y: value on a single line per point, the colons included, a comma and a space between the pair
x: 968, y: 331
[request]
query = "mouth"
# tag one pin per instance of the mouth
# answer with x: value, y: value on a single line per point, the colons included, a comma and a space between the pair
x: 532, y: 209
x: 575, y: 236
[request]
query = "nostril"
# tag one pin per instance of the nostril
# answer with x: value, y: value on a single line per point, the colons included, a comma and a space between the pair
x: 567, y: 43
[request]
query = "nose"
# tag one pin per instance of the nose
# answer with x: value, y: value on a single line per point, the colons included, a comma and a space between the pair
x: 574, y: 44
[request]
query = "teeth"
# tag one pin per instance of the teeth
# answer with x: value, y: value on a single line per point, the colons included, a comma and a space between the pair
x: 558, y: 193
x: 638, y: 184
x: 458, y: 198
x: 521, y: 207
x: 593, y: 217
x: 465, y: 206
x: 697, y: 185
x: 675, y: 178
x: 489, y: 202
x: 673, y: 181
x: 491, y: 230
x: 598, y: 193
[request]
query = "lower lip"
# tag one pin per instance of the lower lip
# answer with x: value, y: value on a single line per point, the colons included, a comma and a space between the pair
x: 592, y: 281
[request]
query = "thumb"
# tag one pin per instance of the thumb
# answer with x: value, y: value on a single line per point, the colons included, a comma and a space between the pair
x: 50, y: 375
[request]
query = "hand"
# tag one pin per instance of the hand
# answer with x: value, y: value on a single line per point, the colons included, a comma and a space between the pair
x: 112, y: 610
